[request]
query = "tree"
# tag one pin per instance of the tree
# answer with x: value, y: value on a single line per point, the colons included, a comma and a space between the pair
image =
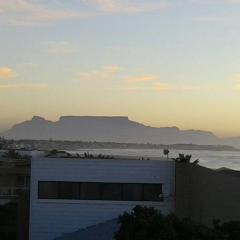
x: 182, y: 158
x: 145, y: 223
x: 166, y: 152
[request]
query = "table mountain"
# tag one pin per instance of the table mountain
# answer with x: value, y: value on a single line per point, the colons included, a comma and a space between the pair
x: 105, y: 129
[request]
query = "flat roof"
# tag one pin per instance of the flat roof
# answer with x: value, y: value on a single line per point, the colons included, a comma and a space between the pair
x: 90, y: 156
x: 112, y: 157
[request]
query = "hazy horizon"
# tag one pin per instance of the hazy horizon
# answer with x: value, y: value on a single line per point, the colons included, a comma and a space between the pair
x: 161, y: 63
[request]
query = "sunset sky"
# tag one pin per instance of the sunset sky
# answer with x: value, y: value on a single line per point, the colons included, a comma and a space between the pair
x: 162, y: 63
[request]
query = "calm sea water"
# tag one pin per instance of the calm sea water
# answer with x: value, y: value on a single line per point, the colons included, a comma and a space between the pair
x: 211, y: 159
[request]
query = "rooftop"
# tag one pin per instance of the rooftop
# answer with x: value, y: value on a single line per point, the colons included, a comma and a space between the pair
x: 87, y: 155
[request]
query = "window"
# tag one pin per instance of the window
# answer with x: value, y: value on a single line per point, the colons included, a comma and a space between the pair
x: 111, y: 191
x: 132, y: 192
x: 152, y: 192
x: 69, y: 190
x: 48, y: 190
x: 90, y: 191
x: 100, y: 191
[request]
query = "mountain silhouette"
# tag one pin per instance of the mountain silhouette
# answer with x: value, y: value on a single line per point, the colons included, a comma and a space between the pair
x: 106, y: 129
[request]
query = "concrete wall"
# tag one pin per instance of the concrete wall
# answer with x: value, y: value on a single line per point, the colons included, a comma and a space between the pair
x: 52, y: 218
x: 203, y: 194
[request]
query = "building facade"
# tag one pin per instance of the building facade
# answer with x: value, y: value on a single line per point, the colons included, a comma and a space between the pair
x: 14, y: 179
x: 204, y: 195
x: 14, y: 192
x: 68, y: 194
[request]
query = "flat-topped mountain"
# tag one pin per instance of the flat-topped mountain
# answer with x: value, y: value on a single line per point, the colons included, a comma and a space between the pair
x: 105, y: 129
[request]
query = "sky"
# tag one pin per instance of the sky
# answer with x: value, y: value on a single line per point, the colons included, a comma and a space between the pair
x: 161, y: 63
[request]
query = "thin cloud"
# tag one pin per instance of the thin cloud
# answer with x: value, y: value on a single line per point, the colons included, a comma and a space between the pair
x: 165, y: 87
x: 6, y: 73
x: 112, y: 69
x: 60, y: 48
x: 216, y: 1
x: 127, y: 6
x: 217, y: 17
x: 138, y: 79
x: 105, y: 73
x: 30, y: 87
x: 231, y: 1
x: 153, y: 87
x: 31, y: 13
x: 137, y: 89
x: 236, y: 80
x: 213, y: 19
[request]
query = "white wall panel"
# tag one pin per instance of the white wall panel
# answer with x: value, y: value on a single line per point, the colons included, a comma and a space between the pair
x: 52, y: 218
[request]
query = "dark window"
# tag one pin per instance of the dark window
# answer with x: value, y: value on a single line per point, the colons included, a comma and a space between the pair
x: 132, y: 192
x: 100, y: 191
x: 152, y: 192
x: 90, y: 191
x: 69, y: 190
x: 111, y: 191
x: 48, y: 190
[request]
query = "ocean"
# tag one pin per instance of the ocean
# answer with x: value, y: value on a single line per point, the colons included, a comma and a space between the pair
x: 210, y: 159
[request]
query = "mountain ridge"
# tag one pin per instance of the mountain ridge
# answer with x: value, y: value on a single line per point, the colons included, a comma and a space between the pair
x: 104, y: 128
x: 110, y: 129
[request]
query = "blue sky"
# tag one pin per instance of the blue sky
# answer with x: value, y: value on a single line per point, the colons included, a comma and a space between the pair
x: 163, y: 63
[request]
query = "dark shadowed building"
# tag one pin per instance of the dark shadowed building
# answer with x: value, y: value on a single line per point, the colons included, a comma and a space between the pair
x: 203, y: 194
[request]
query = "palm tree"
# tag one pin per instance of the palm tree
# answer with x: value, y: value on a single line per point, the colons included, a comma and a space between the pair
x: 166, y: 152
x: 182, y: 158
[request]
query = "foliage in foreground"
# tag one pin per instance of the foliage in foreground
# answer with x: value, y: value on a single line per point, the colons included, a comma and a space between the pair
x: 149, y: 224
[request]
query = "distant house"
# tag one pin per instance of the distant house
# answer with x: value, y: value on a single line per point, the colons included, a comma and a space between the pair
x: 68, y: 194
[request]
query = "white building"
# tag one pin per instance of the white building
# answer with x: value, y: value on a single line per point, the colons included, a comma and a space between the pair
x: 68, y: 194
